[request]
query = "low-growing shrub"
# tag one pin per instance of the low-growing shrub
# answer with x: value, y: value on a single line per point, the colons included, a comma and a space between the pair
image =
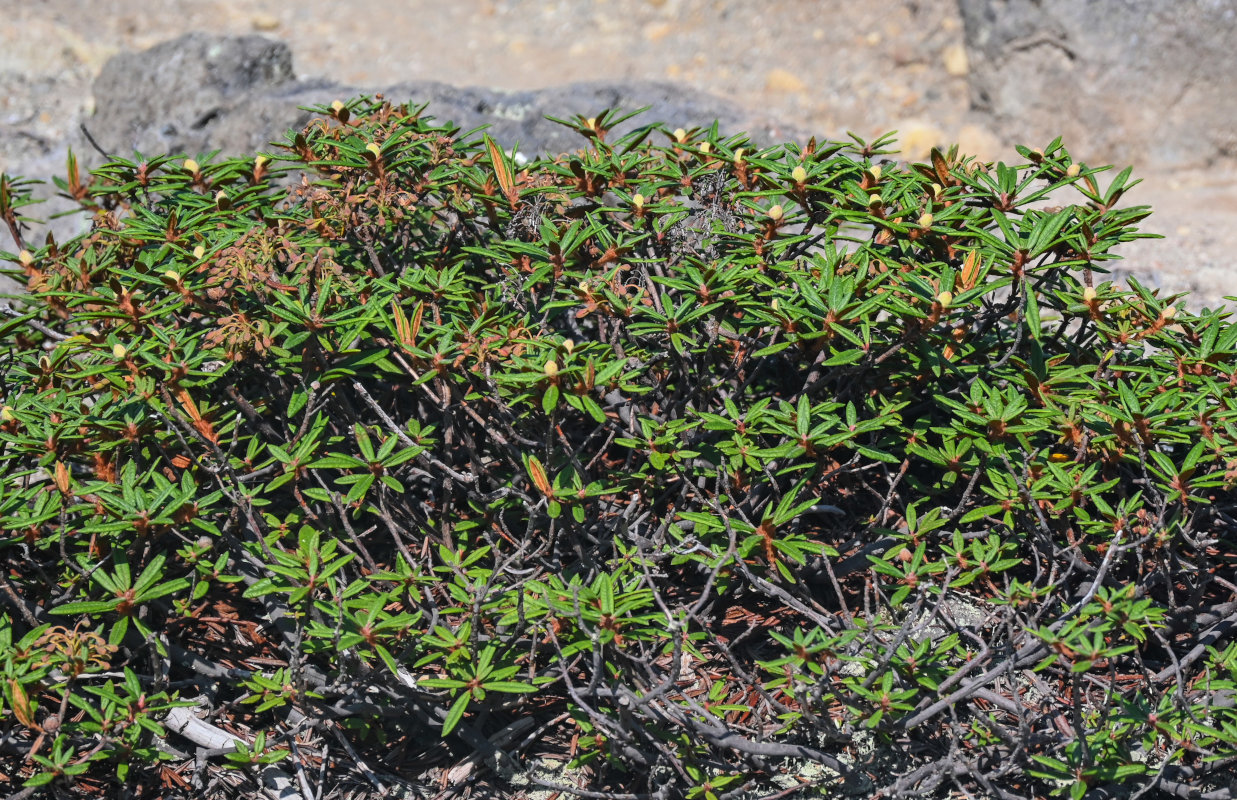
x: 718, y: 471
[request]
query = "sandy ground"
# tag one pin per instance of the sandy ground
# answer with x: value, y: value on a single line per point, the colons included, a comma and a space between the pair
x: 827, y: 65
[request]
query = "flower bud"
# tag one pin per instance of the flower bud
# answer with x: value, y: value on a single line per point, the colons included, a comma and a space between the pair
x: 591, y: 123
x: 1073, y: 170
x: 680, y: 135
x: 638, y: 201
x: 1088, y: 294
x: 1169, y: 312
x: 172, y: 275
x: 119, y: 351
x: 946, y: 299
x: 337, y: 105
x: 7, y: 415
x: 192, y: 166
x: 738, y: 156
x: 260, y: 162
x: 569, y: 346
x: 799, y: 175
x: 774, y: 304
x: 222, y: 201
x: 551, y: 368
x: 25, y: 258
x: 875, y: 200
x: 876, y: 171
x: 199, y: 251
x: 936, y: 190
x: 705, y: 147
x: 925, y: 221
x: 374, y: 150
x: 776, y: 213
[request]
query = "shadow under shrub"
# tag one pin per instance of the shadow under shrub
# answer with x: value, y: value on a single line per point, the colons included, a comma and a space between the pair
x: 715, y: 470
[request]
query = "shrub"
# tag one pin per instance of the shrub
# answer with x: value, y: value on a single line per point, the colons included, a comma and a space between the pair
x: 713, y: 469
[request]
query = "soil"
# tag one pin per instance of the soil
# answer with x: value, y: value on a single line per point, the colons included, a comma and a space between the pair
x: 824, y: 65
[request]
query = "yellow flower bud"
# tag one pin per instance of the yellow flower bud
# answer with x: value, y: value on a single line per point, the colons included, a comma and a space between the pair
x: 336, y: 105
x: 876, y: 171
x: 199, y: 251
x: 680, y: 135
x: 774, y: 304
x: 260, y: 162
x: 1088, y: 294
x: 7, y: 415
x: 374, y: 150
x: 192, y: 166
x: 25, y: 258
x: 591, y: 123
x: 1073, y: 170
x: 222, y: 201
x: 119, y: 351
x: 738, y: 156
x: 569, y: 346
x: 936, y: 189
x: 705, y: 147
x: 925, y: 221
x: 875, y: 200
x: 551, y: 368
x: 172, y: 275
x: 638, y: 201
x: 946, y: 299
x: 1169, y: 312
x: 798, y: 175
x: 776, y: 213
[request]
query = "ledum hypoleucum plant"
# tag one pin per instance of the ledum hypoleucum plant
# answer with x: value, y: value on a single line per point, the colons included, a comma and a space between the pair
x: 692, y: 461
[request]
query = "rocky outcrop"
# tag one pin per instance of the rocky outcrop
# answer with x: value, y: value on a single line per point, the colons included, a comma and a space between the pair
x: 1124, y: 81
x: 235, y: 94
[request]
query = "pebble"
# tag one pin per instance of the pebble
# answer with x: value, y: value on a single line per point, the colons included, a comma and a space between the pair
x: 265, y: 22
x: 780, y: 80
x: 956, y: 64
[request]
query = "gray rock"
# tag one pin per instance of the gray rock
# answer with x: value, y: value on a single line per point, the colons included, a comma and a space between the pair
x: 1124, y: 81
x: 190, y: 93
x: 236, y: 94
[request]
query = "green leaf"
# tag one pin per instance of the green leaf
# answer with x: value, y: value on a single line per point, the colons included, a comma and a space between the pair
x: 40, y: 779
x: 549, y: 400
x: 1032, y: 311
x: 86, y: 607
x: 456, y: 713
x: 508, y: 686
x: 594, y: 410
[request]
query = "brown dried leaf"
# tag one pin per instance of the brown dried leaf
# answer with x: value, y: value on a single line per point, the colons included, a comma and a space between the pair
x: 23, y: 709
x: 970, y: 270
x: 502, y: 171
x: 537, y: 473
x: 61, y: 477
